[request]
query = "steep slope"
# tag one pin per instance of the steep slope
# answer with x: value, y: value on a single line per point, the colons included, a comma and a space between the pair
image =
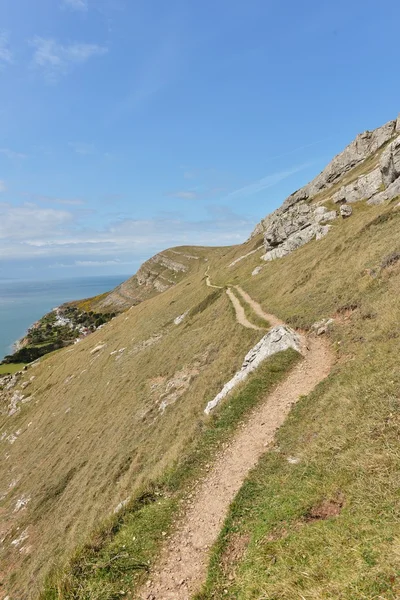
x: 156, y: 275
x: 117, y: 422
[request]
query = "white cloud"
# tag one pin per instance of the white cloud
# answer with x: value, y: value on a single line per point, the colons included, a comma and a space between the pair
x: 64, y: 201
x: 56, y: 59
x: 11, y: 154
x: 3, y: 186
x: 30, y: 223
x: 5, y: 52
x: 30, y: 232
x: 96, y: 263
x: 80, y: 5
x: 184, y: 195
x: 267, y: 182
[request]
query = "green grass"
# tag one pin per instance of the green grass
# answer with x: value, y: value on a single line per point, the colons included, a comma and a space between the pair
x: 344, y: 436
x: 120, y: 554
x: 9, y: 369
x: 95, y: 435
x: 345, y: 439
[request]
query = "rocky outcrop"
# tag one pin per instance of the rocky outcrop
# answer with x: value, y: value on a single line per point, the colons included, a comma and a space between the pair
x: 380, y: 184
x: 286, y: 231
x: 297, y: 221
x: 156, y: 275
x: 365, y: 145
x: 363, y: 188
x: 278, y: 339
x: 390, y: 162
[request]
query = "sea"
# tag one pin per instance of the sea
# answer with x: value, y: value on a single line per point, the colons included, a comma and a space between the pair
x: 24, y: 302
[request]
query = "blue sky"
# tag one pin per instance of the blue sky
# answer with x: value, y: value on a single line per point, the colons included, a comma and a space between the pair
x: 128, y: 126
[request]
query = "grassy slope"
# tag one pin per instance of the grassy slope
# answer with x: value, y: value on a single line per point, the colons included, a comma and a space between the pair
x: 88, y: 442
x: 277, y: 542
x: 92, y: 444
x: 130, y: 292
x: 344, y: 435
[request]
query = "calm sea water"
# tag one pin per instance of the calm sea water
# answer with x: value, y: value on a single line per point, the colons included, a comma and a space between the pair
x: 24, y: 302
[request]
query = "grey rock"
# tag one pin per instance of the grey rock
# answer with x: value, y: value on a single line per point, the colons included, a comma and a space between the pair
x: 390, y: 162
x: 364, y: 145
x: 345, y: 211
x: 289, y: 230
x: 361, y: 189
x: 392, y: 191
x: 278, y: 339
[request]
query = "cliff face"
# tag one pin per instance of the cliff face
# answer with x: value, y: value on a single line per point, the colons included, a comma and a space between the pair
x: 156, y: 275
x: 368, y: 169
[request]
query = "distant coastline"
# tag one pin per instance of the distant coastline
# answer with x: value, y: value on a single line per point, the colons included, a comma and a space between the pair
x: 24, y: 303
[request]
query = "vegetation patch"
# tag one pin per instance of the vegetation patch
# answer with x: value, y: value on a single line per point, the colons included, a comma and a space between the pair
x: 122, y: 551
x: 59, y: 328
x: 204, y: 304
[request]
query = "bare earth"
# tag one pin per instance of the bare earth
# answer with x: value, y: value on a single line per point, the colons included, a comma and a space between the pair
x: 272, y: 319
x: 183, y: 564
x: 239, y: 310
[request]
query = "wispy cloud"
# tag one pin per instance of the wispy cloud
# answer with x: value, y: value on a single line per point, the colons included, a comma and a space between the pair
x: 11, y: 154
x: 55, y: 59
x: 62, y: 201
x: 30, y: 231
x: 297, y: 149
x: 185, y: 195
x: 96, y: 263
x: 3, y: 186
x: 6, y: 56
x: 267, y: 182
x: 30, y: 222
x: 79, y: 5
x: 82, y: 148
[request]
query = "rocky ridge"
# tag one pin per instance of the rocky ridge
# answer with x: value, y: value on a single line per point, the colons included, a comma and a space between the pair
x: 303, y: 216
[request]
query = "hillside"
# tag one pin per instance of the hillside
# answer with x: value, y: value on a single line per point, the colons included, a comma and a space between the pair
x: 156, y: 275
x: 106, y: 444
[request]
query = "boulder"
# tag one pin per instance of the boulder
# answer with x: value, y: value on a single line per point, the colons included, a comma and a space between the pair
x: 345, y: 211
x: 278, y: 339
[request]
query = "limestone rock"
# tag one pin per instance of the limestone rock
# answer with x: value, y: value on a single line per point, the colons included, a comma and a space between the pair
x: 345, y: 211
x: 278, y: 339
x: 361, y: 189
x: 392, y: 191
x: 390, y: 162
x: 364, y: 145
x: 289, y: 230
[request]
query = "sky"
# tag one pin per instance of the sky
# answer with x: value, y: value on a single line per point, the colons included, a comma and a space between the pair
x: 130, y: 126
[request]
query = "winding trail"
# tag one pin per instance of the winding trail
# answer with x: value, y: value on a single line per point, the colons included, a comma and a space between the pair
x: 239, y: 310
x: 184, y: 560
x: 272, y: 319
x: 208, y: 281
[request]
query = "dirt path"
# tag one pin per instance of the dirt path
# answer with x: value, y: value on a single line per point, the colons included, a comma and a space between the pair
x: 208, y: 281
x: 239, y: 310
x: 274, y: 321
x: 183, y: 565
